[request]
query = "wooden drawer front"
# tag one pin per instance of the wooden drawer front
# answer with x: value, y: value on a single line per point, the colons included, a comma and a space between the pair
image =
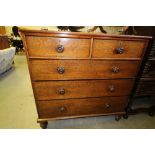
x: 57, y: 47
x: 82, y: 69
x: 149, y: 69
x: 81, y: 89
x: 146, y: 88
x: 77, y: 107
x: 117, y: 49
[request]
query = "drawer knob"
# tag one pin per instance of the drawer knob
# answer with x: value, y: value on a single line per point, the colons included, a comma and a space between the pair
x: 115, y: 69
x: 112, y: 88
x: 62, y: 109
x: 61, y: 91
x: 120, y: 50
x: 107, y: 105
x: 61, y: 70
x: 60, y: 48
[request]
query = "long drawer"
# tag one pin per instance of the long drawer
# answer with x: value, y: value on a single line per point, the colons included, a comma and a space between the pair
x: 57, y: 47
x: 82, y: 69
x: 77, y: 107
x: 117, y: 48
x: 81, y: 89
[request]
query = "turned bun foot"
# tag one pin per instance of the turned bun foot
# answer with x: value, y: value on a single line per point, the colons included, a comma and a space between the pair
x: 151, y: 113
x: 43, y: 125
x: 125, y: 116
x: 117, y: 117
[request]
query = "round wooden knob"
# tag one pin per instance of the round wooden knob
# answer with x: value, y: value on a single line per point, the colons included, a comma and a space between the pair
x: 61, y: 70
x: 120, y: 50
x: 60, y: 48
x: 62, y: 109
x: 107, y: 105
x: 61, y: 91
x: 112, y: 88
x: 115, y: 69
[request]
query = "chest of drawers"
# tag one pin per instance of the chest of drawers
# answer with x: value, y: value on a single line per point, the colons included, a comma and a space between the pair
x: 80, y: 74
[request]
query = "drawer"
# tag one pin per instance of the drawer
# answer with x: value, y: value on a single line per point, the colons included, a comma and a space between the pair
x: 117, y: 49
x: 81, y: 89
x: 82, y: 69
x: 146, y: 88
x: 149, y: 69
x: 57, y: 47
x: 79, y: 107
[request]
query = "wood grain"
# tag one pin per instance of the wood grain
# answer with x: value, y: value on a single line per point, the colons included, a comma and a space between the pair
x: 82, y: 69
x: 81, y: 89
x: 77, y: 107
x: 88, y: 85
x: 46, y: 46
x: 106, y: 48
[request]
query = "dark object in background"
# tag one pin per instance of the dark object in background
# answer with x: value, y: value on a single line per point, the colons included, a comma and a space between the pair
x: 70, y: 28
x: 15, y: 31
x: 16, y: 40
x: 145, y: 84
x: 102, y: 30
x: 128, y: 30
x: 95, y: 27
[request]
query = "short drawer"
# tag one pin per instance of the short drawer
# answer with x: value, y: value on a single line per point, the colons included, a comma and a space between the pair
x: 81, y: 89
x: 117, y: 49
x: 81, y: 107
x: 82, y: 69
x: 57, y: 47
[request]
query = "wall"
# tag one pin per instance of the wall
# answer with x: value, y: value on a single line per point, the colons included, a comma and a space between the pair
x: 9, y: 28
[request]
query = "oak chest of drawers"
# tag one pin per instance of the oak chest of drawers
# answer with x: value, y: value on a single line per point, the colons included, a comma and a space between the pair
x: 81, y: 74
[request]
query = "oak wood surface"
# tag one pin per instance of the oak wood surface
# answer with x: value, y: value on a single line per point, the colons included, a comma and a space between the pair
x: 81, y: 89
x: 46, y: 46
x: 82, y: 69
x: 107, y: 48
x: 74, y: 107
x: 87, y: 86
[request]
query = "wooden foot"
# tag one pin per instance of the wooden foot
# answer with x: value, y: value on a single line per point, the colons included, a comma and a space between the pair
x: 151, y: 113
x: 117, y: 117
x: 43, y: 125
x: 125, y: 116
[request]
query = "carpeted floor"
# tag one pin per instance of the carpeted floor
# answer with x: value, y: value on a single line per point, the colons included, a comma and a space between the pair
x: 17, y: 107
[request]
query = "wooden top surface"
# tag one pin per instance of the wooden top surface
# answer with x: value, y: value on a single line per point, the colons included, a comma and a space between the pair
x: 66, y: 33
